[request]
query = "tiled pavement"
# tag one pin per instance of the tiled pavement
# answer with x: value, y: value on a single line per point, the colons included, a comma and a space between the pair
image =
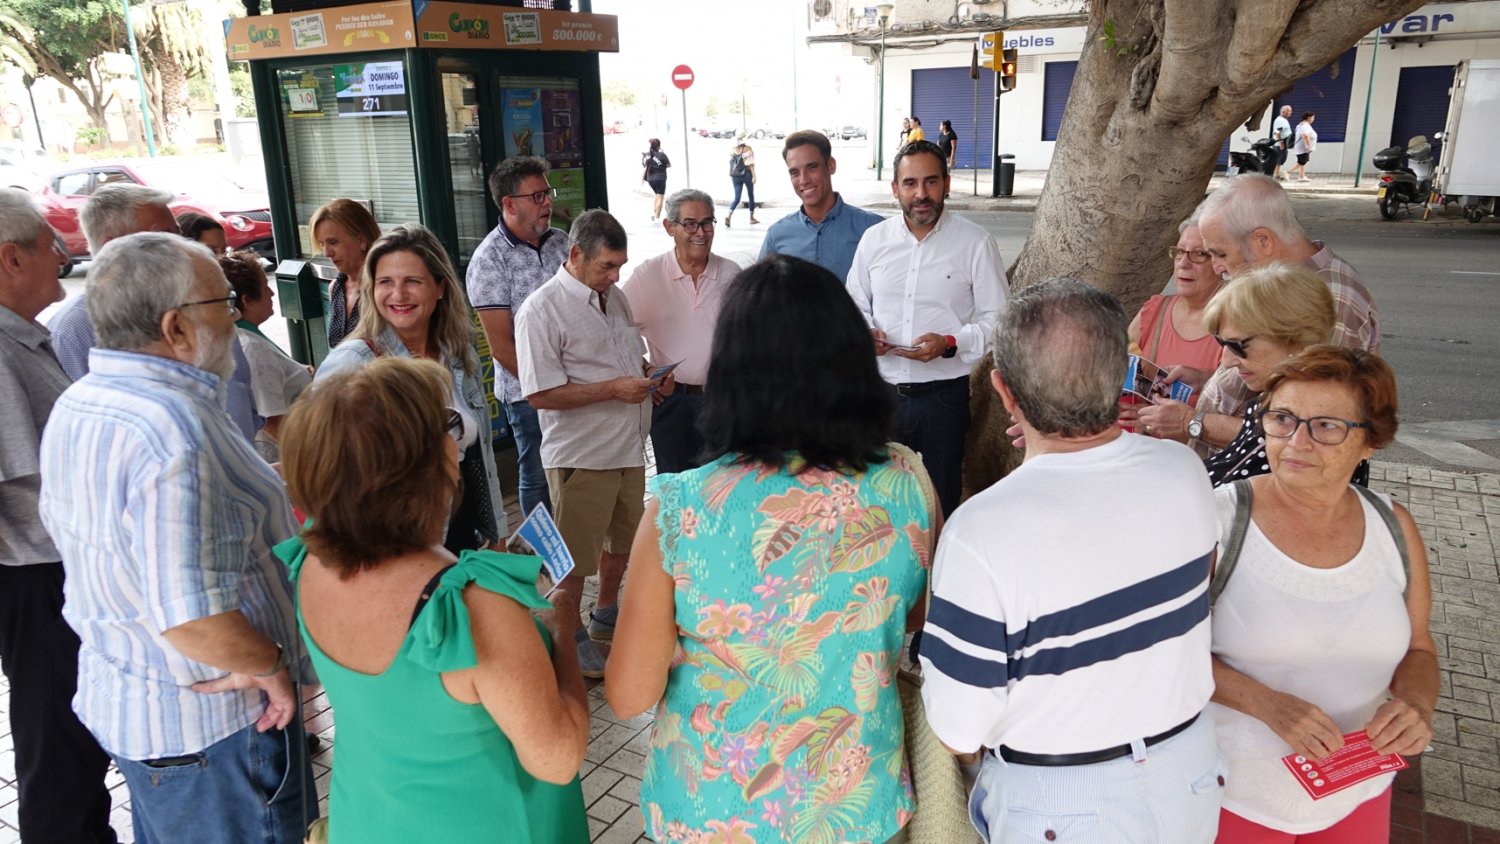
x: 1452, y: 797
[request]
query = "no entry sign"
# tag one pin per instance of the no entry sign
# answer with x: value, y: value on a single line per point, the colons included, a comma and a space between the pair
x: 682, y: 76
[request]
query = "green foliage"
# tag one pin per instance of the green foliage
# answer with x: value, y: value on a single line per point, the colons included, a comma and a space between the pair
x: 1111, y: 42
x: 91, y: 135
x: 244, y: 92
x: 618, y: 92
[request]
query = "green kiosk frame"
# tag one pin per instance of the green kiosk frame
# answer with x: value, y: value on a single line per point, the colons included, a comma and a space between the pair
x: 407, y: 106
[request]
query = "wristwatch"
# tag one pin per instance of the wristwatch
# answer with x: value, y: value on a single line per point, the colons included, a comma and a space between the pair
x: 1195, y: 427
x: 275, y: 669
x: 952, y: 349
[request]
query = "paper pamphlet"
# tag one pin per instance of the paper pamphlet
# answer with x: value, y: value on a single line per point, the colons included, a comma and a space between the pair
x: 1146, y: 382
x: 661, y: 372
x: 1351, y: 764
x: 538, y: 536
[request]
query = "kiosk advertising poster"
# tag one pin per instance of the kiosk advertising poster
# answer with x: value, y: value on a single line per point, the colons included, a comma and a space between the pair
x: 371, y: 89
x: 546, y: 121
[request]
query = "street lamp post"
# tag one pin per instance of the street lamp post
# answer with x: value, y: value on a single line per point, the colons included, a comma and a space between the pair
x: 883, y: 12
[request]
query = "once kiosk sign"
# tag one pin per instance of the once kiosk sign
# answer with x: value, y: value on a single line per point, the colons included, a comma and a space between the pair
x: 395, y: 25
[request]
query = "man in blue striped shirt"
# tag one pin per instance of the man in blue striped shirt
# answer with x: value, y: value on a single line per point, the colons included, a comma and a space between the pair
x: 1067, y: 641
x: 826, y: 229
x: 165, y: 519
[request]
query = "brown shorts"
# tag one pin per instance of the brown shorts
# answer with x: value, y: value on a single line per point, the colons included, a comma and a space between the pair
x: 597, y: 510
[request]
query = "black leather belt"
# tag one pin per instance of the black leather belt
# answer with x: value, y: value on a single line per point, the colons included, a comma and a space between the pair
x: 922, y: 388
x: 690, y: 389
x: 1093, y: 757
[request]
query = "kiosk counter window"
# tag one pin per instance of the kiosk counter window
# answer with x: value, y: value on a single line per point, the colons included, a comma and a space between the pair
x: 348, y: 134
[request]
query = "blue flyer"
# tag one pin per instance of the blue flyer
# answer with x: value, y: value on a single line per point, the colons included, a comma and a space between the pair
x: 538, y: 536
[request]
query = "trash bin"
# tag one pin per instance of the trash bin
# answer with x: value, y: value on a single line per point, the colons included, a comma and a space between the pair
x: 1005, y: 175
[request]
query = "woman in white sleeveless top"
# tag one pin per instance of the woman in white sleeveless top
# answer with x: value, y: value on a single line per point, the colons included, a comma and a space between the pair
x: 1321, y: 631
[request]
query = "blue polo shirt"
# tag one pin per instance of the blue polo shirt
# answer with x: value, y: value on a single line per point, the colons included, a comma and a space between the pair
x: 829, y: 244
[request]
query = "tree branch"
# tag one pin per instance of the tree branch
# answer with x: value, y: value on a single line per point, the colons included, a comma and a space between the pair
x: 1192, y: 43
x: 1340, y: 21
x: 1250, y: 58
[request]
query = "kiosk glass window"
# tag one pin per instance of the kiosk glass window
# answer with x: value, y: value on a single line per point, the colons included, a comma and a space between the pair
x: 465, y: 161
x: 543, y: 116
x: 348, y: 134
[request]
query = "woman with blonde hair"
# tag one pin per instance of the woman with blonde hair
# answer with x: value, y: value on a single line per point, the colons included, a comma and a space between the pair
x: 419, y: 310
x: 343, y: 229
x: 1262, y: 316
x: 458, y: 721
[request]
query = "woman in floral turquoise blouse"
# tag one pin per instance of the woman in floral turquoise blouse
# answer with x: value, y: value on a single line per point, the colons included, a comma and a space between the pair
x: 771, y: 588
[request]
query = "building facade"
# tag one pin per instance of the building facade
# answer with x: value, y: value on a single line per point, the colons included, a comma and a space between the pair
x: 927, y: 74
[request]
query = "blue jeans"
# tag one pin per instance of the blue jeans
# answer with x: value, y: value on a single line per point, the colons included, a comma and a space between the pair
x: 245, y: 788
x: 932, y: 419
x: 532, y: 478
x: 748, y: 185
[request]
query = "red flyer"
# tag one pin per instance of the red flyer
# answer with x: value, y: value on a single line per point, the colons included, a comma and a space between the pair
x: 1354, y: 763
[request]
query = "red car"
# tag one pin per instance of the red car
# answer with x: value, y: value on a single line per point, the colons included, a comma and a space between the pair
x: 245, y: 215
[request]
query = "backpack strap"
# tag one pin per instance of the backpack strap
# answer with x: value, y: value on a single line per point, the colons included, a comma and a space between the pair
x: 1388, y: 515
x: 1229, y: 552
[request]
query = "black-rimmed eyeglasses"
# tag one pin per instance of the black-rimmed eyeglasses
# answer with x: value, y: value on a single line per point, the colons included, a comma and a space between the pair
x: 233, y: 299
x: 538, y: 197
x: 1328, y: 430
x: 693, y: 226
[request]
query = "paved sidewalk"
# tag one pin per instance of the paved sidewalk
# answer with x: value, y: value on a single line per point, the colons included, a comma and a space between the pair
x: 1452, y: 797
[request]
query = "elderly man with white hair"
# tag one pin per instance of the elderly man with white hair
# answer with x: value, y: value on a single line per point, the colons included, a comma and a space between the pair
x: 166, y: 519
x: 114, y: 211
x: 59, y: 766
x: 1249, y: 221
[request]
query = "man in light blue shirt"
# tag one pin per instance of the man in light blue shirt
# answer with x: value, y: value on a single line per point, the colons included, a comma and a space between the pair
x: 825, y: 230
x: 165, y: 518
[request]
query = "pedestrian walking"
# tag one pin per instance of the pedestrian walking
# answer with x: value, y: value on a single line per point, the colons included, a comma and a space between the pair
x: 654, y: 164
x: 947, y: 142
x: 742, y: 174
x: 1307, y: 141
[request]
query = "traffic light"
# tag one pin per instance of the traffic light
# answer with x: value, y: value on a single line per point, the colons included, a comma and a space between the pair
x: 990, y: 45
x: 1007, y: 69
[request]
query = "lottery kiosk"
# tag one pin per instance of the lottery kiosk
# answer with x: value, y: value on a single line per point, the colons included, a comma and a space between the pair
x: 406, y: 106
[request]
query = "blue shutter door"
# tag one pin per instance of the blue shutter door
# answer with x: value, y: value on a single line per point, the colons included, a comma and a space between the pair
x: 947, y: 93
x: 1325, y: 92
x: 1057, y: 82
x: 1421, y: 104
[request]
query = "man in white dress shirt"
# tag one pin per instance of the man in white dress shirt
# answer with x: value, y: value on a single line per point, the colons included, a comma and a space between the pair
x: 931, y: 286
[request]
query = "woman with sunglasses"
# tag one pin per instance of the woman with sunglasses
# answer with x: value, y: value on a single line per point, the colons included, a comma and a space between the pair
x: 1323, y: 629
x: 457, y: 719
x: 414, y: 306
x: 1262, y: 316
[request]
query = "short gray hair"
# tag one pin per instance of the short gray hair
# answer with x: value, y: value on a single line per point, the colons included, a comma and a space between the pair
x: 20, y: 220
x: 134, y: 280
x: 1060, y: 347
x: 1248, y: 202
x: 109, y: 212
x: 596, y: 229
x: 674, y: 202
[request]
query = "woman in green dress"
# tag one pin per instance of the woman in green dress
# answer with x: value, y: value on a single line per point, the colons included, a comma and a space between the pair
x: 457, y: 721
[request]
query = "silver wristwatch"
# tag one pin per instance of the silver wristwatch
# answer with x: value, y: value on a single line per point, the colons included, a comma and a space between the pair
x: 1195, y: 427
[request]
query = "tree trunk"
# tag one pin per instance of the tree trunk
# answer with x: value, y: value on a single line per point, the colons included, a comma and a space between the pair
x: 1159, y: 86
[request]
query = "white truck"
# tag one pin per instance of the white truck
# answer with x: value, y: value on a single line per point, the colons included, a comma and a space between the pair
x: 1467, y: 173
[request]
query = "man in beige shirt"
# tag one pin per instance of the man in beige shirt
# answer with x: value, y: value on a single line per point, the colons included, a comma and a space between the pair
x: 675, y: 298
x: 581, y: 366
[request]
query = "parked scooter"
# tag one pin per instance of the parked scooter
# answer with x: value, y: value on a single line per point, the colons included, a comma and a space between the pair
x: 1260, y: 158
x: 1406, y: 175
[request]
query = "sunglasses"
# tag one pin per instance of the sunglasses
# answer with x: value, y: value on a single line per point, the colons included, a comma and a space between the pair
x: 1236, y: 346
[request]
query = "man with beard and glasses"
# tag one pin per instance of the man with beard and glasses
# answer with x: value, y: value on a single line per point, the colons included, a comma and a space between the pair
x: 931, y: 286
x: 675, y: 299
x: 522, y: 252
x: 165, y: 519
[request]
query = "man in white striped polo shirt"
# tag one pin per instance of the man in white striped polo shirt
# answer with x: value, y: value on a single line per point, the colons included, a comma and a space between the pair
x: 1067, y: 642
x: 165, y: 518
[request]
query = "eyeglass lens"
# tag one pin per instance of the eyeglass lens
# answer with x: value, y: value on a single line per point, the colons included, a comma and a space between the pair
x: 693, y: 226
x: 1327, y: 430
x: 1197, y: 256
